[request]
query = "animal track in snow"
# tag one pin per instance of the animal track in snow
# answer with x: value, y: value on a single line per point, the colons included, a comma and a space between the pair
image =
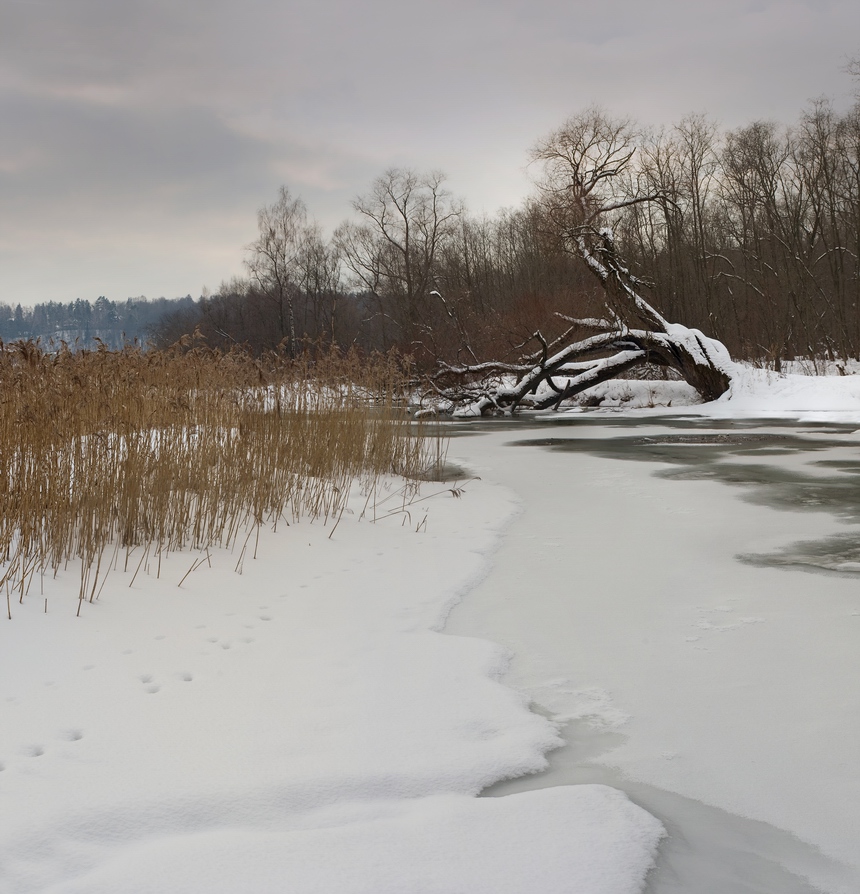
x: 152, y: 688
x: 185, y: 676
x: 72, y: 735
x: 35, y: 751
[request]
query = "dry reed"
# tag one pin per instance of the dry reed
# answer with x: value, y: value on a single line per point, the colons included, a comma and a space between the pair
x: 105, y: 451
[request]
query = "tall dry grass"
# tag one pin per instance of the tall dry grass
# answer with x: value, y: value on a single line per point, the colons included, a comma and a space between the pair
x: 102, y: 452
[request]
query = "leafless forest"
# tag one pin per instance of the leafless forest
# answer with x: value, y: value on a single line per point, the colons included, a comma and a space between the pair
x: 751, y: 235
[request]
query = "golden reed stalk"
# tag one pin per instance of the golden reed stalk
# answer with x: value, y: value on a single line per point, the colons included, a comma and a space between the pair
x: 102, y: 451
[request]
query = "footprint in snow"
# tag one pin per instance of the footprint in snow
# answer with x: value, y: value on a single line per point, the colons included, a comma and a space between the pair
x: 148, y: 685
x: 186, y: 677
x: 35, y: 751
x: 72, y: 735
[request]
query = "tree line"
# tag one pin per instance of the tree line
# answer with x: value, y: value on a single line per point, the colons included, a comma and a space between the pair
x: 751, y: 235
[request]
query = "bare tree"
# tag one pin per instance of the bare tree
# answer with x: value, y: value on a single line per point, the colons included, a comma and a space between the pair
x: 274, y: 263
x: 393, y: 251
x: 317, y: 270
x: 587, y: 181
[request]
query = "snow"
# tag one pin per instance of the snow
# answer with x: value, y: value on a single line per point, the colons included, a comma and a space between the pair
x: 706, y: 351
x: 444, y: 843
x: 771, y: 394
x: 761, y: 393
x: 300, y: 726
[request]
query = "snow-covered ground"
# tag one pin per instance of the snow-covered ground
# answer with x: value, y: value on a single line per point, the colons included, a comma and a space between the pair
x: 753, y: 392
x: 301, y: 727
x: 306, y: 725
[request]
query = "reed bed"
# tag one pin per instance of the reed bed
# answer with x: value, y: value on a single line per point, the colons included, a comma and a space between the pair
x: 105, y: 455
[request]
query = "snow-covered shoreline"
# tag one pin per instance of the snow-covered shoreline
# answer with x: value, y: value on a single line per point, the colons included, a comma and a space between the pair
x: 299, y: 725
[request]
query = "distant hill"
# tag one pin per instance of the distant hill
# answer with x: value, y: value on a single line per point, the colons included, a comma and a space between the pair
x: 81, y: 322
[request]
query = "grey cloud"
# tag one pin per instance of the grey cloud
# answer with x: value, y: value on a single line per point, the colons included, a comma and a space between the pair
x: 188, y: 115
x: 84, y: 148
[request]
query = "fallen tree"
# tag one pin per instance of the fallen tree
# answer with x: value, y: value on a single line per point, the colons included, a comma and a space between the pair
x: 587, y: 182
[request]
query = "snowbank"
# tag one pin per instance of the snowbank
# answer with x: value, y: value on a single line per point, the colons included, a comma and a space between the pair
x: 539, y: 841
x: 753, y: 392
x: 768, y: 393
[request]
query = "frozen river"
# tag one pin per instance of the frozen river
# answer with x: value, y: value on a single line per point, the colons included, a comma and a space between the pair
x: 681, y: 596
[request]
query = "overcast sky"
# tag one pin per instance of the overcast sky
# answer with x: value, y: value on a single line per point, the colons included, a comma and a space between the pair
x: 138, y: 138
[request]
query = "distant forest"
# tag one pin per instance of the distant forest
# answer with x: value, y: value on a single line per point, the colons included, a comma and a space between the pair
x: 79, y: 323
